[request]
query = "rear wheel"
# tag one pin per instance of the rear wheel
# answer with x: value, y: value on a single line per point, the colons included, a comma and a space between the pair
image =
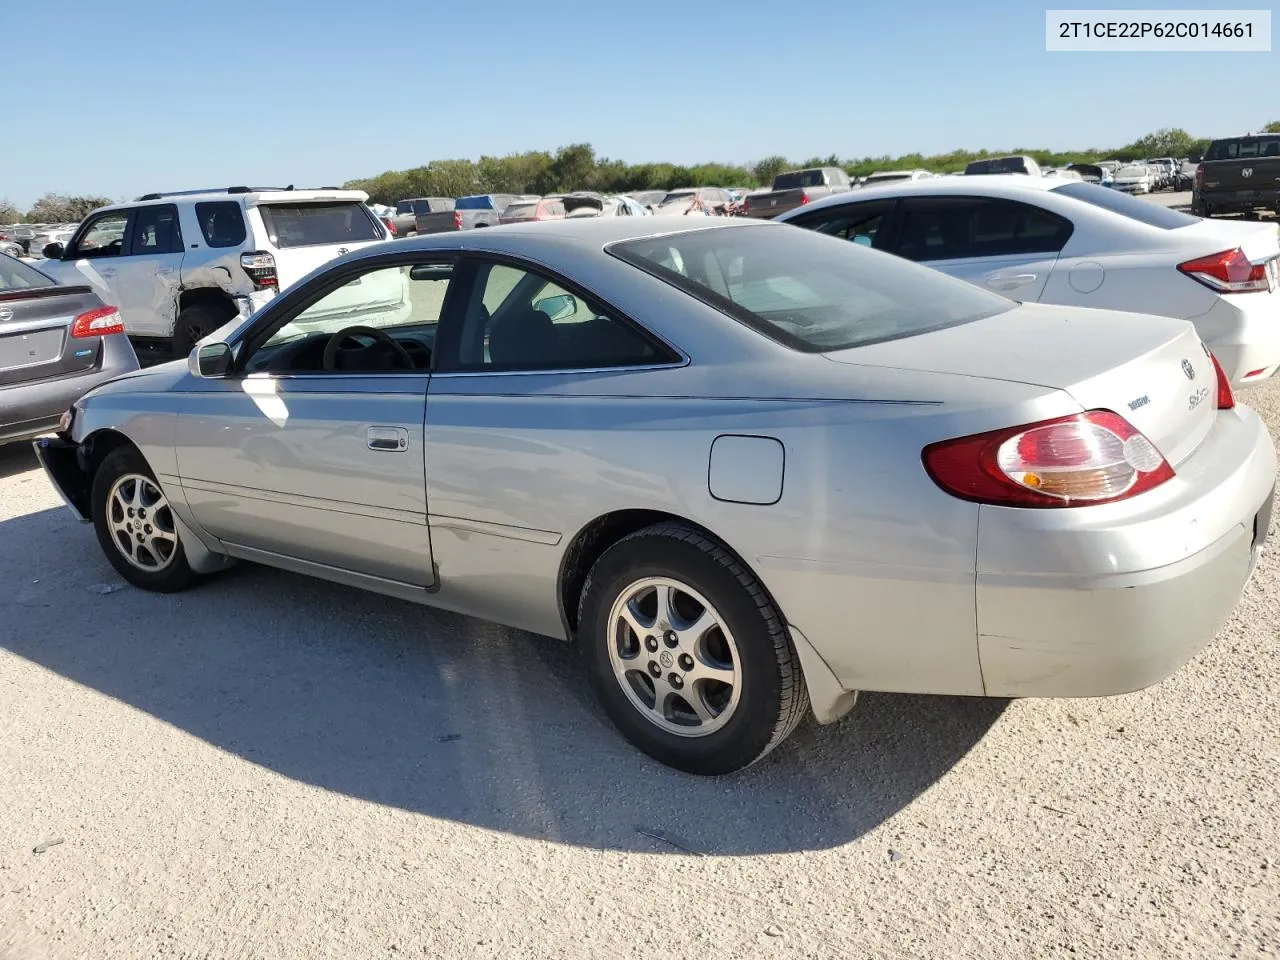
x: 195, y: 323
x: 136, y: 526
x: 686, y: 652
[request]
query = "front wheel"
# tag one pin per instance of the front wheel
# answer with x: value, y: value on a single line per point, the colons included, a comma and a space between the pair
x: 686, y: 652
x: 136, y: 526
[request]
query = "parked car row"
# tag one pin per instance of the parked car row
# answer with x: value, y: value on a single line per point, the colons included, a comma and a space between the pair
x: 30, y: 239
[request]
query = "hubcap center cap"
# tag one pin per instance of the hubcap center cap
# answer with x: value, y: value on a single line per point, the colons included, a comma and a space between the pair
x: 666, y: 659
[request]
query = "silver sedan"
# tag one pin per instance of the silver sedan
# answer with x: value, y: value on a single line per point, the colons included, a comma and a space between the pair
x: 749, y: 470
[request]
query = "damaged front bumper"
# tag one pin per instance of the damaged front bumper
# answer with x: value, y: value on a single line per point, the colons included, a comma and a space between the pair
x: 62, y: 463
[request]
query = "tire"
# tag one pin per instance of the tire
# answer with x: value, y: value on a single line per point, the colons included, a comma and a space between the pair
x: 195, y: 322
x: 121, y: 475
x: 744, y: 719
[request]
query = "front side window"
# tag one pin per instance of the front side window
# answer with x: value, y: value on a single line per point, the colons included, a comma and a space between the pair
x: 221, y: 223
x: 808, y: 291
x: 519, y: 319
x: 155, y: 231
x: 949, y: 228
x: 104, y: 236
x: 383, y: 321
x: 312, y: 224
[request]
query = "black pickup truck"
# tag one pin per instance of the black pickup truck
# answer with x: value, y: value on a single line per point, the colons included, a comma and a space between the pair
x: 1238, y: 175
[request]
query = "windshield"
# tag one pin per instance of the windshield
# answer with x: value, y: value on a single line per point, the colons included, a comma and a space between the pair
x: 1244, y: 147
x: 474, y: 203
x: 16, y: 275
x: 678, y: 196
x: 311, y: 224
x: 1127, y: 205
x: 887, y: 177
x: 807, y: 290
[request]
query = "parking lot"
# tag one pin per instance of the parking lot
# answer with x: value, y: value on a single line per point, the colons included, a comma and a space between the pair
x: 274, y: 766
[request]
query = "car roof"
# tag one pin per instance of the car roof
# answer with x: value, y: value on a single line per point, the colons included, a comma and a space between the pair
x: 250, y: 197
x: 590, y: 231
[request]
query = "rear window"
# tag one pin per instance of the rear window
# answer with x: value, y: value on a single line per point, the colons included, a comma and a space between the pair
x: 1243, y: 147
x: 797, y: 179
x: 312, y: 224
x: 678, y: 196
x: 521, y: 210
x: 474, y: 203
x: 1002, y: 165
x: 1127, y: 205
x: 807, y: 290
x: 16, y: 275
x: 221, y: 222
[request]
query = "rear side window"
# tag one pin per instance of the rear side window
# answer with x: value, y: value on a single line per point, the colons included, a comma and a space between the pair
x: 1243, y: 148
x: 155, y: 230
x: 16, y: 275
x: 313, y: 224
x: 1127, y: 205
x: 221, y: 223
x: 948, y: 228
x: 808, y: 291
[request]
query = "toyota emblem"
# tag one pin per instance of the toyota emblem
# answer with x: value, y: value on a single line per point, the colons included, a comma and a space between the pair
x: 5, y: 314
x: 1188, y: 369
x: 343, y: 250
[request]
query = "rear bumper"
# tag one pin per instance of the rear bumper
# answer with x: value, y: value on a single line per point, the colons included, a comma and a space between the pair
x: 1237, y: 201
x: 1243, y: 331
x: 30, y: 409
x: 1051, y: 625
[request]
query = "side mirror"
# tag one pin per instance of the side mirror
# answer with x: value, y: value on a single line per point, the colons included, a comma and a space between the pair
x: 53, y: 251
x: 558, y: 307
x: 210, y: 360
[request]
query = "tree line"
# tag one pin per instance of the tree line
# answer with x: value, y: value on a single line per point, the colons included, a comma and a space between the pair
x: 576, y: 167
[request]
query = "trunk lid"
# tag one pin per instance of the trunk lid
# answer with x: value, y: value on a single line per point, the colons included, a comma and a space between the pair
x: 1153, y: 371
x: 1230, y: 174
x: 1259, y: 240
x: 35, y: 334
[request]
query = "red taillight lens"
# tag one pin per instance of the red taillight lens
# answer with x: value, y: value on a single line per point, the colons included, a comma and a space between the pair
x: 1227, y: 272
x: 457, y: 220
x: 746, y: 206
x: 804, y: 198
x: 261, y: 268
x: 97, y: 323
x: 1076, y: 461
x: 1226, y: 397
x: 1199, y: 177
x: 390, y: 225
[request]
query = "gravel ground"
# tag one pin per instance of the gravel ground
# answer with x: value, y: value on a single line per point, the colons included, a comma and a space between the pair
x: 270, y: 766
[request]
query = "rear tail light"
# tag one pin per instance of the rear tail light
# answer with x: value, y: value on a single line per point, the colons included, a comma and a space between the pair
x: 457, y: 219
x: 1228, y: 272
x: 1226, y: 398
x: 804, y: 198
x: 261, y: 268
x: 746, y: 206
x: 1075, y: 461
x: 1199, y: 177
x: 390, y: 225
x: 97, y: 323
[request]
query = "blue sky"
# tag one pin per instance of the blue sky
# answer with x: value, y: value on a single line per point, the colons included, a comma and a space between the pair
x: 120, y: 98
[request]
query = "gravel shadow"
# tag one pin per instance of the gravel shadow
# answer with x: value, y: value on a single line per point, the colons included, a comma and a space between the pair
x: 445, y: 715
x: 17, y: 457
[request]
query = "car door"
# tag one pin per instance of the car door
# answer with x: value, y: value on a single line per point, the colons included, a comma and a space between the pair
x: 867, y: 223
x: 93, y: 255
x: 523, y: 361
x: 312, y: 447
x: 1004, y: 245
x: 149, y: 271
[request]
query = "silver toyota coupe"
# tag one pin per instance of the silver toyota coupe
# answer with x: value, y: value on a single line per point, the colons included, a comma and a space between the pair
x: 748, y: 469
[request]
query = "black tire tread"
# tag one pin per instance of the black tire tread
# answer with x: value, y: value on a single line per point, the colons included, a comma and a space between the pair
x: 794, y: 701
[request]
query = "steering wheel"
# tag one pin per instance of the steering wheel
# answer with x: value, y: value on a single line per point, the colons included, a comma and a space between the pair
x: 379, y: 337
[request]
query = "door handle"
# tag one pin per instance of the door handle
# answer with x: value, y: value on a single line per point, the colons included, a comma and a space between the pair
x: 388, y: 439
x: 1009, y: 281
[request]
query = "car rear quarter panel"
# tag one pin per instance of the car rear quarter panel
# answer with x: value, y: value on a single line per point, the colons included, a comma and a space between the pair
x: 862, y: 552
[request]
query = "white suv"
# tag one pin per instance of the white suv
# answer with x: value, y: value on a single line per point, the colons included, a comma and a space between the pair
x: 180, y: 265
